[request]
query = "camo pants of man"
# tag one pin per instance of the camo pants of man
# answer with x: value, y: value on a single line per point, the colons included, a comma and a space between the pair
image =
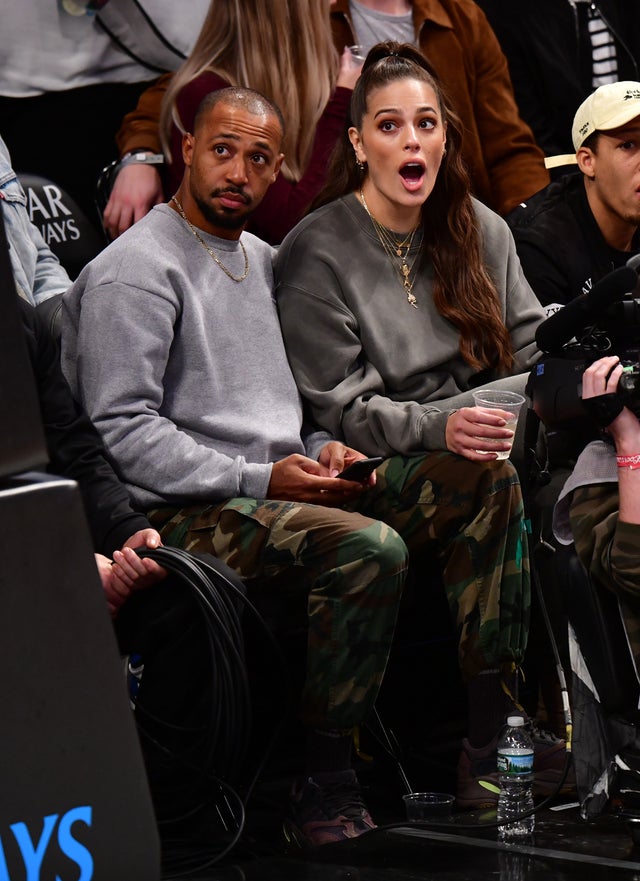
x: 351, y: 564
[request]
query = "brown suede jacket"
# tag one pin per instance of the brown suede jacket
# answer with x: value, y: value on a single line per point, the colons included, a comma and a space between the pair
x: 505, y: 164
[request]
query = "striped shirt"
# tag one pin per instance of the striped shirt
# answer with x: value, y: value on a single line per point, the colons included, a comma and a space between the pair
x: 603, y: 50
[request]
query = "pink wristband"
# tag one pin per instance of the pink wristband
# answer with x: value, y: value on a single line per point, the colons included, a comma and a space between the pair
x: 631, y: 462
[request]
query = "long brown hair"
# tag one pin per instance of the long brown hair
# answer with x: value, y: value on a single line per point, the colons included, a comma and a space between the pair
x: 464, y: 293
x: 283, y: 50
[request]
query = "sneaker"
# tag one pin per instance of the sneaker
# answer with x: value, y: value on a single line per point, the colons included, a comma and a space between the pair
x: 478, y: 766
x: 549, y: 757
x: 474, y: 766
x: 326, y: 809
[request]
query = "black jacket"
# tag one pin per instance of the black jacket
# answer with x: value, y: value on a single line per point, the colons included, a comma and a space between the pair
x: 549, y: 53
x: 561, y: 248
x: 74, y: 446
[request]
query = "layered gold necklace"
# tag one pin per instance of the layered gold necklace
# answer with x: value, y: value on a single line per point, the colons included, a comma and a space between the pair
x: 207, y: 248
x: 397, y: 257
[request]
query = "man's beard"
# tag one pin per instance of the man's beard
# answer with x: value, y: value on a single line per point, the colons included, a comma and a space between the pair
x: 221, y: 218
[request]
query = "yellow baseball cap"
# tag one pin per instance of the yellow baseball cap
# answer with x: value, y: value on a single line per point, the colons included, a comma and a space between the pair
x: 607, y: 108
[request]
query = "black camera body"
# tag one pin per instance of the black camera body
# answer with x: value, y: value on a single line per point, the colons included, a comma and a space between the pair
x: 555, y: 383
x: 629, y: 387
x: 554, y: 387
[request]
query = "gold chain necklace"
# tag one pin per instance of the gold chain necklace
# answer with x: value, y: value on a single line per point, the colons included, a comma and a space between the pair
x: 393, y: 249
x: 207, y: 248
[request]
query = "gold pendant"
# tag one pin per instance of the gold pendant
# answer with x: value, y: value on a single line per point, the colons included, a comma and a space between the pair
x: 405, y: 271
x: 399, y: 251
x: 412, y: 300
x: 74, y: 8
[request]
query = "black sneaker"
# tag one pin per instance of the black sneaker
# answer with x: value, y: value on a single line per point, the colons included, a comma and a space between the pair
x: 326, y: 809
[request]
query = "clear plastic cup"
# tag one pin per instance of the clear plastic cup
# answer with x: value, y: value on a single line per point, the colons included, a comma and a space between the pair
x: 358, y: 55
x: 490, y: 399
x: 428, y: 805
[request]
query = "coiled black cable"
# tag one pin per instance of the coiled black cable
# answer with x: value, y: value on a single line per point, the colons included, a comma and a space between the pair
x: 223, y: 743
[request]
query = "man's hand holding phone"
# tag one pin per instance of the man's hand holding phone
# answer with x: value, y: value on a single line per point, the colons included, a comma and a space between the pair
x: 360, y: 471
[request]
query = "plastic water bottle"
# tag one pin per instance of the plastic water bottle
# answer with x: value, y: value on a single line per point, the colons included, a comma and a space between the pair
x: 515, y: 769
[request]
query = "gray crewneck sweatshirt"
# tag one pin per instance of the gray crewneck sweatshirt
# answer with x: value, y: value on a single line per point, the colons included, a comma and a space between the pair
x: 374, y: 370
x: 183, y: 370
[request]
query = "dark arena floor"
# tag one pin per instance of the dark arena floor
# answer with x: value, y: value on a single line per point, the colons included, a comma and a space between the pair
x: 425, y: 735
x: 464, y: 848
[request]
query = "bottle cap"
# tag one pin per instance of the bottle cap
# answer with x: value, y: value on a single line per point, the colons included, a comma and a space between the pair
x: 515, y: 721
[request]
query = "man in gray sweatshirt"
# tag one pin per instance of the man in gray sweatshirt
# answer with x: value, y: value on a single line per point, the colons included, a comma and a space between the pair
x: 172, y: 342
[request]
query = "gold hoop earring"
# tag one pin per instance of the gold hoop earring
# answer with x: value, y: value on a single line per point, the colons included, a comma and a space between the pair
x: 359, y: 163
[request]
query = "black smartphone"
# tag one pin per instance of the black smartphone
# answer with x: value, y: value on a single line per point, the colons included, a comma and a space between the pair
x: 361, y: 469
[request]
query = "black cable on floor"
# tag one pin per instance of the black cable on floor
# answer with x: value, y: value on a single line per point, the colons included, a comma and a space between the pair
x: 224, y: 740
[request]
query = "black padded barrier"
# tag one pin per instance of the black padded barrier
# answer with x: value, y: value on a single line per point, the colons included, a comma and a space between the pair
x: 75, y: 801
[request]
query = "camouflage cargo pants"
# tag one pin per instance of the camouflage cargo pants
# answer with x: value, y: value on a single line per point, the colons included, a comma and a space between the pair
x: 608, y: 549
x: 352, y: 564
x: 470, y: 515
x: 350, y: 567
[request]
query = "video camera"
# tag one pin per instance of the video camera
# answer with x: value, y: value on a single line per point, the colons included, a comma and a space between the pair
x: 604, y: 321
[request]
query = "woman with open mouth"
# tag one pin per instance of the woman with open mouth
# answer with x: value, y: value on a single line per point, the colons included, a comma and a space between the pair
x: 398, y: 295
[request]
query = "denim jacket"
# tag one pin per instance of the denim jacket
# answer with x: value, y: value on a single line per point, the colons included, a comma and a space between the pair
x: 37, y: 271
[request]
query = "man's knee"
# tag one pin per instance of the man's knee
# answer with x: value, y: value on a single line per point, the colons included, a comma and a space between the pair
x: 381, y: 550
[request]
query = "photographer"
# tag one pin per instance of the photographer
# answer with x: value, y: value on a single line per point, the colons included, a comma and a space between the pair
x: 599, y: 507
x: 581, y: 227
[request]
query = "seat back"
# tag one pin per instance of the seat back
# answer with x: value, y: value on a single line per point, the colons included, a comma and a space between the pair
x: 106, y: 180
x: 66, y: 229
